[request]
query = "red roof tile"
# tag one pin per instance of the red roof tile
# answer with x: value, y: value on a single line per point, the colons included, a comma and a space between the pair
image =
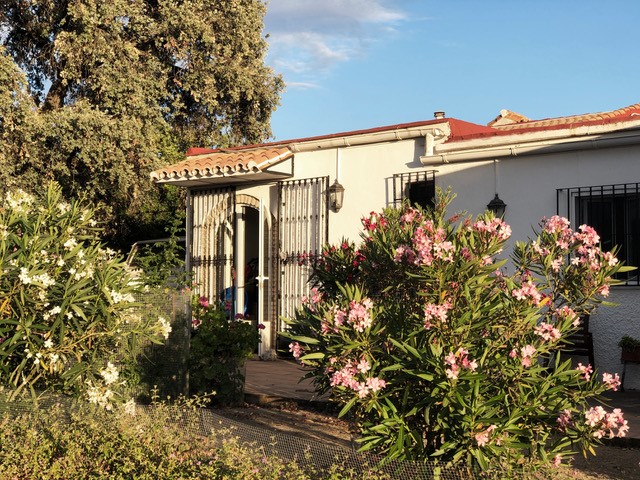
x: 205, y: 163
x: 627, y: 114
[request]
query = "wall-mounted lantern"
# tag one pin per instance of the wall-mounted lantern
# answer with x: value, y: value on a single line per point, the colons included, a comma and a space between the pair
x: 336, y: 195
x: 497, y: 206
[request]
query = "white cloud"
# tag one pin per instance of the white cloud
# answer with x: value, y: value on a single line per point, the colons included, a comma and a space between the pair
x: 307, y: 38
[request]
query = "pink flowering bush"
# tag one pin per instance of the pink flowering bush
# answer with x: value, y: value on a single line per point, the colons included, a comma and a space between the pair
x: 438, y: 353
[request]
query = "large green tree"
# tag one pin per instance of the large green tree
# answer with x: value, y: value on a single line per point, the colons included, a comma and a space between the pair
x: 96, y: 94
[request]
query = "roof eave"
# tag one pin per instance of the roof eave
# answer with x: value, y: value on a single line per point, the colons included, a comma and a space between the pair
x: 536, y: 142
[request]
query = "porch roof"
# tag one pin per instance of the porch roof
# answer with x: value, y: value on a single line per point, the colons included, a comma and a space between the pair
x: 224, y: 166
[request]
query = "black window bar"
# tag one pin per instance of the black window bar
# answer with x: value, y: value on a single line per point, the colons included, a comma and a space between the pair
x: 417, y: 187
x: 614, y: 212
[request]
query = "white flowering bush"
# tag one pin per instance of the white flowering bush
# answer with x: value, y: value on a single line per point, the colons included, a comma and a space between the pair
x: 67, y: 309
x: 439, y: 354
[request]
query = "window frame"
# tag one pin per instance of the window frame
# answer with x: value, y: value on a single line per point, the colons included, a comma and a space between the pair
x: 402, y: 182
x: 623, y: 202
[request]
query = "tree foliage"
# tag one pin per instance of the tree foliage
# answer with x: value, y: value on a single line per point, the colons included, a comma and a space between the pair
x: 108, y: 91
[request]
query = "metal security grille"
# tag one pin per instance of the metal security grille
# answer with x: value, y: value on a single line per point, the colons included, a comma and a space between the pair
x: 303, y: 230
x: 417, y: 187
x: 213, y: 224
x: 614, y: 211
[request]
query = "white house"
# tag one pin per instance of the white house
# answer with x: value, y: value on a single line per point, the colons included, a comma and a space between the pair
x: 255, y: 211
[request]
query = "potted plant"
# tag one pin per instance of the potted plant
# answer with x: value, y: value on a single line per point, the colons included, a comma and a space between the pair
x: 630, y: 349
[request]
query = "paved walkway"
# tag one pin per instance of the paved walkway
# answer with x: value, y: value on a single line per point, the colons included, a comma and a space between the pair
x: 279, y: 380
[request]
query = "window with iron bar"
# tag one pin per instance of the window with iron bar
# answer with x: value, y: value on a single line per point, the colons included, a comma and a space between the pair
x: 614, y: 212
x: 417, y: 187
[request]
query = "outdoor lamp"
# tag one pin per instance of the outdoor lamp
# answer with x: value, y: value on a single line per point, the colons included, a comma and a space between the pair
x: 497, y: 206
x: 336, y: 195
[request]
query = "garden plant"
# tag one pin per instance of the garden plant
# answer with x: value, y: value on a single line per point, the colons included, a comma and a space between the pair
x: 219, y: 349
x: 69, y: 322
x: 439, y: 354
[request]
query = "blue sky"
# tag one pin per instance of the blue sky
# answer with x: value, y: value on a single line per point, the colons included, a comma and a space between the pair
x: 357, y: 64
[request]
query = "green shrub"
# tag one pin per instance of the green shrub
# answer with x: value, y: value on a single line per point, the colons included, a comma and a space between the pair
x: 68, y: 320
x: 219, y: 349
x: 439, y: 354
x: 152, y: 443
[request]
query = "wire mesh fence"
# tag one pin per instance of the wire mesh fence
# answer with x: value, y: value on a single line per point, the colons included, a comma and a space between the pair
x: 307, y: 453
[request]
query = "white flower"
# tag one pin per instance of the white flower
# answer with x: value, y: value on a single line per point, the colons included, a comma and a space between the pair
x: 3, y: 232
x: 60, y: 262
x: 110, y: 374
x: 69, y: 315
x: 55, y: 310
x: 24, y: 276
x: 69, y: 244
x: 99, y: 397
x: 19, y: 200
x: 53, y: 358
x: 44, y: 279
x: 130, y: 407
x: 48, y: 343
x: 117, y: 297
x: 165, y: 327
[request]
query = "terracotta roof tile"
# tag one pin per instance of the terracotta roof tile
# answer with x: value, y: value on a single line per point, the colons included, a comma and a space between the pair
x: 522, y: 125
x: 203, y: 163
x: 620, y: 115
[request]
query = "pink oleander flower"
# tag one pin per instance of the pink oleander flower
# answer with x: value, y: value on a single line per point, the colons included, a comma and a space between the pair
x: 527, y: 290
x: 527, y: 353
x: 375, y: 384
x: 556, y: 224
x: 483, y: 437
x: 604, y: 290
x: 339, y: 316
x: 565, y: 419
x: 587, y: 236
x: 586, y: 370
x: 611, y: 260
x: 548, y: 332
x: 203, y: 301
x: 606, y: 423
x: 557, y: 461
x: 374, y: 222
x: 433, y: 311
x: 409, y: 216
x: 452, y: 372
x: 557, y: 264
x: 567, y: 312
x: 495, y: 228
x: 316, y: 295
x: 363, y: 366
x: 612, y: 382
x: 456, y: 360
x: 296, y: 349
x: 359, y: 314
x: 404, y: 252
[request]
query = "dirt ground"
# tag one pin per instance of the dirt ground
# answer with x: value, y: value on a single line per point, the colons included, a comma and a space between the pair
x: 610, y: 463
